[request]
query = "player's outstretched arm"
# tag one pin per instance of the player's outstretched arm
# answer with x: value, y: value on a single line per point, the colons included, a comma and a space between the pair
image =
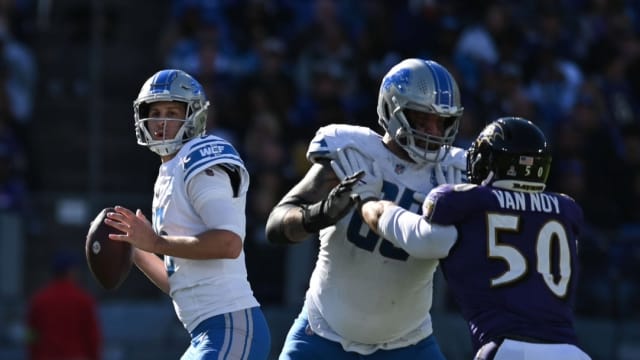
x: 408, y: 230
x: 136, y: 230
x: 316, y: 202
x: 371, y: 211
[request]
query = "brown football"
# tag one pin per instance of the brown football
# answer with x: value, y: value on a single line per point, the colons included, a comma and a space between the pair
x: 109, y: 260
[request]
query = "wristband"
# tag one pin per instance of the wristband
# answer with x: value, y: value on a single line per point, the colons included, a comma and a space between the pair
x: 314, y: 218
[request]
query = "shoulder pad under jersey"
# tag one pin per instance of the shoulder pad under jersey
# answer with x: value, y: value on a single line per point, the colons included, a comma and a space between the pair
x: 206, y: 151
x: 330, y: 138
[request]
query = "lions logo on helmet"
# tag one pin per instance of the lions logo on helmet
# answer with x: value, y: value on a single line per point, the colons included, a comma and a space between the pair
x: 400, y: 80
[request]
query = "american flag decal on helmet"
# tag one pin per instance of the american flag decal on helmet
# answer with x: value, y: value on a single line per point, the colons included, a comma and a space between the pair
x: 526, y: 160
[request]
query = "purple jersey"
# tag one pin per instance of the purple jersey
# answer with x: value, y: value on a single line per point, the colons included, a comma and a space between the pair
x: 514, y: 267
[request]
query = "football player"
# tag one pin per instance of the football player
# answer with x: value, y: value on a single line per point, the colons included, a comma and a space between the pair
x: 508, y: 248
x: 198, y: 222
x: 367, y: 297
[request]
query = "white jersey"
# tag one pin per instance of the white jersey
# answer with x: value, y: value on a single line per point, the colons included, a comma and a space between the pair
x: 364, y: 292
x: 201, y: 289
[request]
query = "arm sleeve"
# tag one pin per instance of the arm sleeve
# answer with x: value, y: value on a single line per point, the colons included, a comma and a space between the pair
x: 415, y: 235
x: 211, y: 196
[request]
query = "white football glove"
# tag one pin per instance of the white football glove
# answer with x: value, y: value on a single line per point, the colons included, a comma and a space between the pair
x: 351, y: 161
x: 419, y: 197
x: 450, y: 175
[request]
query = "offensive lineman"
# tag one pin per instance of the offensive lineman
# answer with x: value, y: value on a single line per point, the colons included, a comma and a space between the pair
x: 366, y: 297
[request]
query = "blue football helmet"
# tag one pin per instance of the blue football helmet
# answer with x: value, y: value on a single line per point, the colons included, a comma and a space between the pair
x: 425, y: 86
x: 171, y: 85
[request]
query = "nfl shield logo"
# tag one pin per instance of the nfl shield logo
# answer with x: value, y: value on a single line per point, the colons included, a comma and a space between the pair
x: 399, y: 169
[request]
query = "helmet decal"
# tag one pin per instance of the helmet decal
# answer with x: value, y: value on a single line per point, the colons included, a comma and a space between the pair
x: 162, y: 81
x: 400, y: 80
x: 491, y: 133
x: 526, y: 160
x: 443, y: 80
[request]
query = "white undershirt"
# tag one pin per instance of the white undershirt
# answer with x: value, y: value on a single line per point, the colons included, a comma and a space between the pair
x: 415, y: 235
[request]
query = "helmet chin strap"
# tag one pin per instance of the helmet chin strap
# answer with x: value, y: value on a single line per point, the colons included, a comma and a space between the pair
x: 401, y: 134
x: 488, y: 179
x: 402, y: 139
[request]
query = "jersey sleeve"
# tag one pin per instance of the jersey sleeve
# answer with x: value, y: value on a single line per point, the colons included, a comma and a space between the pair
x: 328, y: 139
x: 211, y: 194
x: 210, y: 151
x: 416, y: 236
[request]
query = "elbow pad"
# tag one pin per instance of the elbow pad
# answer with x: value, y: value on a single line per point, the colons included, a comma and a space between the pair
x: 274, y: 229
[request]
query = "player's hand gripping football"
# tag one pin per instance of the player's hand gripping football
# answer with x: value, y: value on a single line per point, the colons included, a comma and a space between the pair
x: 352, y: 163
x: 135, y: 227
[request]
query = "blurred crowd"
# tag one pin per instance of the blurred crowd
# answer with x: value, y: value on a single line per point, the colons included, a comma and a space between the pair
x: 276, y: 70
x: 17, y: 87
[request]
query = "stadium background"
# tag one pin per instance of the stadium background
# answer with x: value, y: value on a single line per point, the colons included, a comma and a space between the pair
x: 276, y: 70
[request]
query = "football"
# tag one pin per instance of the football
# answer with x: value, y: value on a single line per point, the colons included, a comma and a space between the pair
x: 109, y: 260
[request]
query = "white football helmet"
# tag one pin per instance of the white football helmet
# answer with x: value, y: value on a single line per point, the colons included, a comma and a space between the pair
x: 426, y: 86
x: 171, y: 85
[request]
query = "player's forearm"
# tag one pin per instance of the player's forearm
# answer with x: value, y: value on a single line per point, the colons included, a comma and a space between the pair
x: 408, y: 230
x: 152, y: 267
x: 371, y: 211
x: 211, y: 244
x: 285, y: 225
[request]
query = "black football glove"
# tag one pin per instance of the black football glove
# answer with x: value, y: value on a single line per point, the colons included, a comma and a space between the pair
x: 337, y: 204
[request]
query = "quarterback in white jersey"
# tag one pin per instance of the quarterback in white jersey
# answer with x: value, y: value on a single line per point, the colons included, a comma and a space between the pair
x: 198, y: 223
x: 367, y: 297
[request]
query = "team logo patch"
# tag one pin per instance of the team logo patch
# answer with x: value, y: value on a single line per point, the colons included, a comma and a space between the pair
x: 427, y: 210
x: 492, y: 132
x: 399, y: 169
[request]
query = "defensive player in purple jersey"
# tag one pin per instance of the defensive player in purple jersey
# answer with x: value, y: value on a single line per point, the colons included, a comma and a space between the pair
x: 508, y: 248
